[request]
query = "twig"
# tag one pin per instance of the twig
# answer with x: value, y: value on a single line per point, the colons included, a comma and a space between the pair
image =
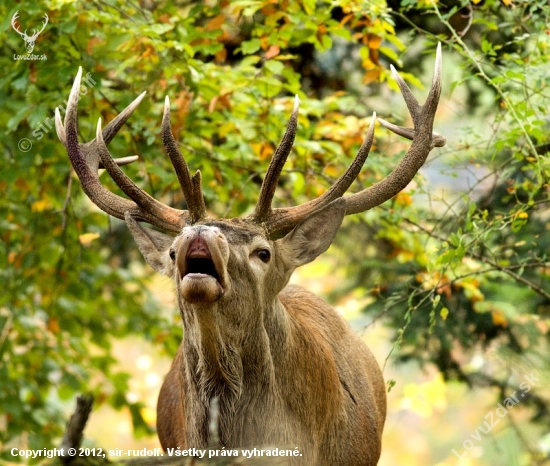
x: 470, y: 17
x: 476, y: 255
x: 466, y: 52
x: 6, y: 329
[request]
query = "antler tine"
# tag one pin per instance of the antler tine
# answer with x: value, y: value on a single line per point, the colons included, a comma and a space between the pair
x: 122, y: 161
x: 437, y: 139
x: 85, y: 161
x: 112, y: 129
x: 36, y: 31
x: 435, y: 90
x: 283, y: 220
x: 262, y: 210
x: 14, y: 18
x: 431, y: 102
x: 415, y: 109
x: 408, y: 96
x: 160, y: 214
x: 109, y: 132
x: 60, y: 128
x: 191, y: 186
x: 424, y: 140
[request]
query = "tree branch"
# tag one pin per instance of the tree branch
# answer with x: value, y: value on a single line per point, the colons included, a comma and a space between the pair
x: 73, y: 435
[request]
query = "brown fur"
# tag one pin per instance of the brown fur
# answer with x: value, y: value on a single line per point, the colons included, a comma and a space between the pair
x: 287, y: 369
x: 339, y: 412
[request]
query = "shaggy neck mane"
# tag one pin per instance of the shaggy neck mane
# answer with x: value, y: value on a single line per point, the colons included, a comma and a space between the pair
x: 232, y: 362
x: 229, y: 359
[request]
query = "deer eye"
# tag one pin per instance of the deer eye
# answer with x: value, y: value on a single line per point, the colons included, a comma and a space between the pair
x: 264, y: 255
x: 172, y: 254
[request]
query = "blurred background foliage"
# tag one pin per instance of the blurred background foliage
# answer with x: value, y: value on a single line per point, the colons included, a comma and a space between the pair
x: 455, y: 269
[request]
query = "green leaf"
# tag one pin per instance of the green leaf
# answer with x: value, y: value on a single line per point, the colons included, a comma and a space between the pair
x: 250, y: 46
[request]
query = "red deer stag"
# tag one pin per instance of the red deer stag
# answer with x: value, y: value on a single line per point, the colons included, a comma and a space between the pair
x: 286, y: 368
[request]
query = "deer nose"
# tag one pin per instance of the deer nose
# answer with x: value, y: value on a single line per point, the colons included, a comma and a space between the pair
x: 198, y: 249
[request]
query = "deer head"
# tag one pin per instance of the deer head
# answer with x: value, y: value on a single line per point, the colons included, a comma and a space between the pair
x: 281, y: 361
x: 29, y: 40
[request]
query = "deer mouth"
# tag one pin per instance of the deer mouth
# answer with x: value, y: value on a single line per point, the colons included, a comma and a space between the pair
x: 201, y: 267
x: 201, y: 273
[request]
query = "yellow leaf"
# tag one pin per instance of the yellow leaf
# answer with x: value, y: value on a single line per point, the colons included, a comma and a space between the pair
x: 87, y: 238
x: 225, y: 129
x: 371, y: 76
x: 53, y: 325
x: 149, y: 415
x: 403, y: 199
x: 506, y: 2
x: 285, y: 57
x: 215, y: 23
x: 264, y: 150
x: 388, y: 27
x: 499, y: 318
x: 444, y: 313
x: 374, y: 41
x: 41, y: 205
x: 471, y: 289
x: 332, y: 171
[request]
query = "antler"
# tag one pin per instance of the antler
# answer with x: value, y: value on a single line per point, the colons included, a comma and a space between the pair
x: 36, y: 34
x: 87, y: 158
x: 280, y: 221
x: 14, y: 18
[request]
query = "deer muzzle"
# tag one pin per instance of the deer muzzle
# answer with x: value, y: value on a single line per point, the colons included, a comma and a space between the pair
x: 202, y: 264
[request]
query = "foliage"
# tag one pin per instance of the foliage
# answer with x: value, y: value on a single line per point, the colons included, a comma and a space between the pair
x: 455, y: 274
x: 474, y: 287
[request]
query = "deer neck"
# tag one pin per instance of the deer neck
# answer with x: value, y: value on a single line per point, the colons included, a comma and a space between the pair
x: 233, y: 361
x: 229, y: 357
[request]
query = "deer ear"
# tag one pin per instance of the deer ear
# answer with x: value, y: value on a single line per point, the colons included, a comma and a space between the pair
x: 152, y: 244
x: 313, y: 235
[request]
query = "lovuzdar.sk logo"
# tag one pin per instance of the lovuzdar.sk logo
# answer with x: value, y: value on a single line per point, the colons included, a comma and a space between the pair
x: 29, y: 40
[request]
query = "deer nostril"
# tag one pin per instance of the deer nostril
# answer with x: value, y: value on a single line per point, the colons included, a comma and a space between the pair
x: 198, y: 249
